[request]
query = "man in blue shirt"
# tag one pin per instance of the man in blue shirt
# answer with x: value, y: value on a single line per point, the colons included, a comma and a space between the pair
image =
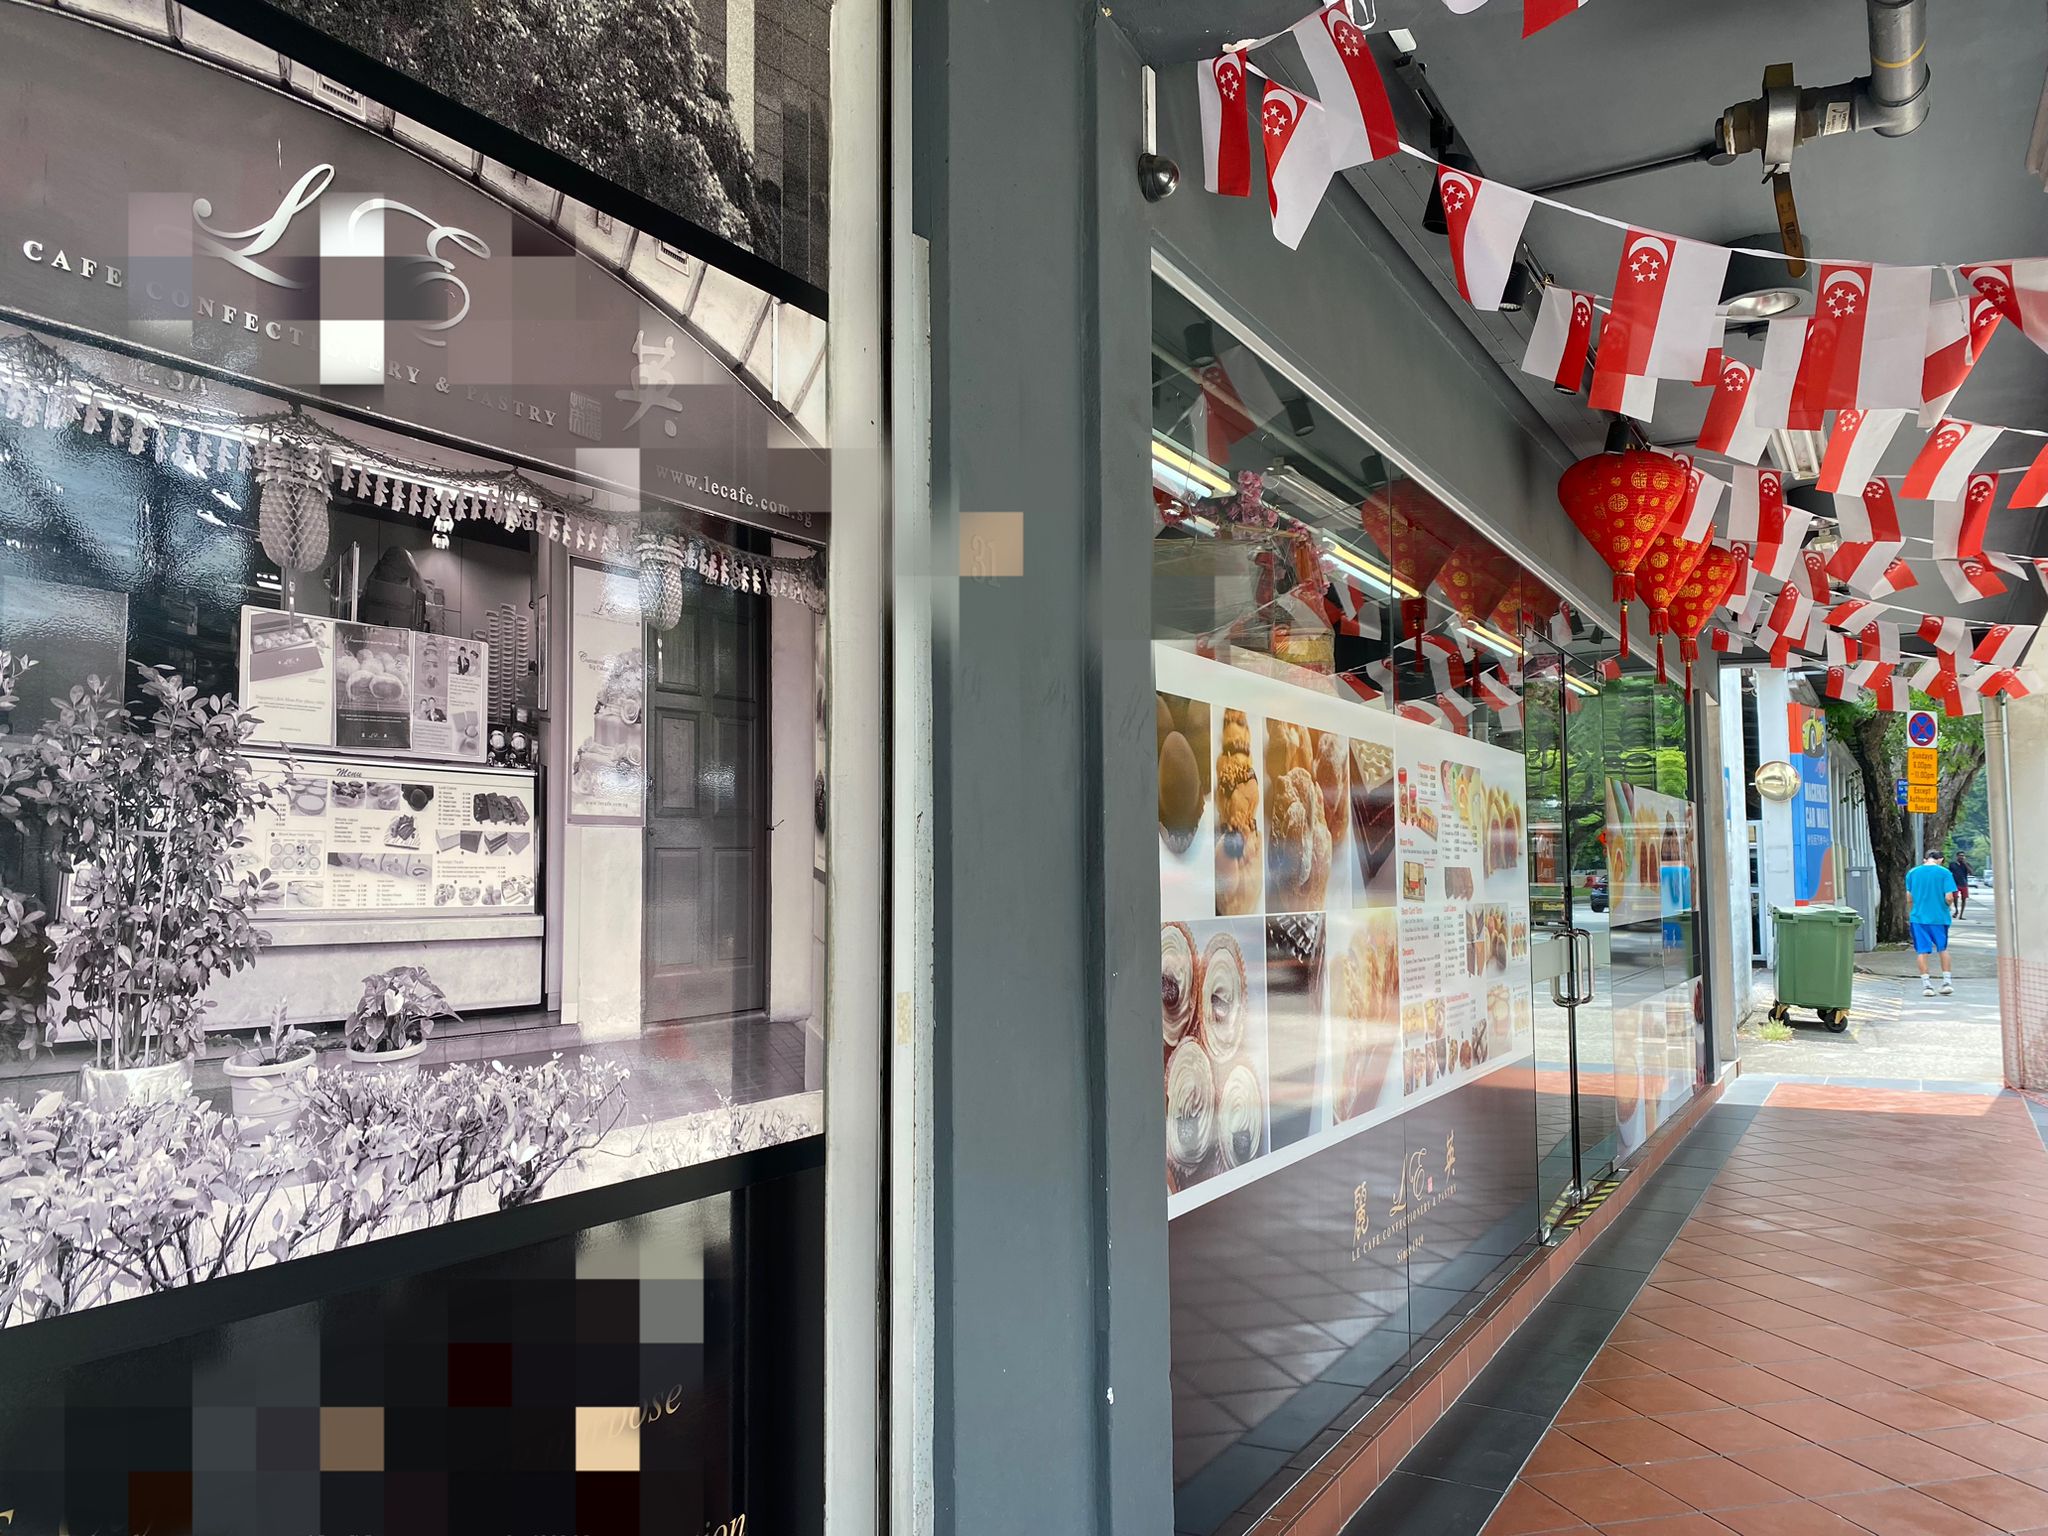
x: 1928, y: 889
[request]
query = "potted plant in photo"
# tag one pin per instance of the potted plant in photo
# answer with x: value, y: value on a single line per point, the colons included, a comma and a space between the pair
x: 270, y: 1076
x: 144, y: 810
x: 389, y: 1027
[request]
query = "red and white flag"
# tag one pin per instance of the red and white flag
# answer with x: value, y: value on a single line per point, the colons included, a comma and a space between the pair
x: 1897, y: 577
x: 1226, y: 125
x: 1756, y: 506
x: 1666, y: 291
x: 1557, y: 346
x: 1957, y: 330
x: 1959, y: 525
x: 1887, y: 692
x: 1631, y: 394
x: 1352, y: 611
x: 1538, y: 14
x: 1362, y: 684
x: 1871, y: 515
x: 2032, y: 491
x: 1771, y: 405
x: 1866, y: 345
x: 1856, y: 445
x: 2019, y: 290
x: 1347, y: 78
x: 1947, y: 634
x: 1298, y: 159
x: 1863, y: 567
x: 1815, y: 565
x: 1881, y: 642
x: 2003, y: 645
x: 1856, y: 613
x: 1446, y: 660
x: 1841, y: 686
x: 2013, y: 682
x: 1952, y: 451
x: 1497, y: 693
x: 1728, y: 430
x: 1721, y: 640
x: 1484, y: 220
x: 1776, y: 557
x: 1968, y: 580
x: 1236, y: 399
x: 1702, y: 503
x: 1790, y: 613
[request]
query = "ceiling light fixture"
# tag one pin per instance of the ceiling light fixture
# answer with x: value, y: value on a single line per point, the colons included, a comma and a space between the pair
x: 1759, y: 287
x: 1201, y: 473
x: 1799, y: 452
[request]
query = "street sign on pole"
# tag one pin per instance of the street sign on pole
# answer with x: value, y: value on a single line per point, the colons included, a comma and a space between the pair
x: 1922, y: 799
x: 1922, y: 728
x: 1902, y: 794
x: 1923, y: 766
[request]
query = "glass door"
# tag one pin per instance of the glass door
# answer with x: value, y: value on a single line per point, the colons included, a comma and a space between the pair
x: 1570, y: 952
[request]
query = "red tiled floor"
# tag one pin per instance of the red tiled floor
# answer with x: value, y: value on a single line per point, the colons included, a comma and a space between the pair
x: 1814, y: 1357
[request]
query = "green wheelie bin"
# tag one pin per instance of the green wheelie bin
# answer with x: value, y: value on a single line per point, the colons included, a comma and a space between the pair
x: 1816, y: 962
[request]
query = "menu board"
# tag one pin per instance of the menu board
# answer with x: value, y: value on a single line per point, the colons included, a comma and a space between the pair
x: 1345, y: 918
x: 319, y: 682
x: 1649, y: 838
x: 347, y: 836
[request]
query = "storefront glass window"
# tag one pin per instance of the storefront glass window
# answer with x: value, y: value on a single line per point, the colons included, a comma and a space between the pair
x: 411, y: 684
x: 1348, y: 1010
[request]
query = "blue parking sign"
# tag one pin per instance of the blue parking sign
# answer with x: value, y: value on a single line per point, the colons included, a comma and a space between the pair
x: 1902, y: 792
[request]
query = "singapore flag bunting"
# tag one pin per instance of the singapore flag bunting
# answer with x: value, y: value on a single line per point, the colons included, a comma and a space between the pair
x: 1816, y: 566
x: 1298, y: 166
x: 2019, y: 290
x: 1666, y: 290
x: 1871, y: 515
x: 1226, y: 126
x: 1538, y: 14
x: 1867, y: 341
x: 1557, y: 346
x: 1855, y: 446
x: 1959, y: 525
x: 1968, y: 580
x: 1347, y: 79
x: 1948, y: 635
x: 1632, y: 394
x: 1862, y: 566
x: 1881, y: 641
x: 1952, y: 450
x: 1957, y: 330
x: 2032, y: 491
x: 1484, y: 219
x: 1728, y: 429
x: 1770, y: 397
x: 1705, y: 501
x: 2003, y: 645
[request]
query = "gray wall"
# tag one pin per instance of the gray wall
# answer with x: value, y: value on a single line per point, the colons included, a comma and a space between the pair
x: 1049, y: 1119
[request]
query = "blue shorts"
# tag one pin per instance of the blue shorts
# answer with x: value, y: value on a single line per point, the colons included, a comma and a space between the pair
x: 1929, y: 938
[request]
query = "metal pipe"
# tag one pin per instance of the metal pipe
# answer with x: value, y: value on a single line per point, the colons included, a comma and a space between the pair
x: 1898, y: 66
x: 2004, y: 903
x: 1706, y: 153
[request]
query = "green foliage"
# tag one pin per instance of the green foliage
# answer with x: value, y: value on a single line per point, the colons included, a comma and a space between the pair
x: 277, y: 1043
x: 397, y: 1009
x: 620, y: 86
x: 145, y: 814
x: 100, y: 1205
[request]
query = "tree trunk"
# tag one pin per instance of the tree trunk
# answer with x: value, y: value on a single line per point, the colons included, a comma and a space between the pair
x: 1891, y: 834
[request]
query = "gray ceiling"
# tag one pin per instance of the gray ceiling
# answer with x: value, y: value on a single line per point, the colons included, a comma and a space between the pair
x: 1629, y: 80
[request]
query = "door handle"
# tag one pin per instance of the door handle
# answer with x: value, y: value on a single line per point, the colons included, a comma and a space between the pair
x: 1568, y: 971
x: 1582, y: 978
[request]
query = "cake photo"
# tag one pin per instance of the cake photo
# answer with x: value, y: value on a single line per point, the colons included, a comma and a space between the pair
x: 607, y: 763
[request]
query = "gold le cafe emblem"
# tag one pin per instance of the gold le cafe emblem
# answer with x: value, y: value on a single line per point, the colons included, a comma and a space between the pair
x: 1418, y: 1189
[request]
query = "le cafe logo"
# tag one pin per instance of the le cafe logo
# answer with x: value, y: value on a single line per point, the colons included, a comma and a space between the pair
x: 253, y: 250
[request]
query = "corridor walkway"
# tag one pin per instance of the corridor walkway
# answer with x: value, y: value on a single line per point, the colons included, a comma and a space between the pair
x: 1846, y: 1335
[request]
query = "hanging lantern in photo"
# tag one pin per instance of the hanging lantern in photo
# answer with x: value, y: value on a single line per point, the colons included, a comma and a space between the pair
x: 1664, y: 571
x: 1415, y: 533
x: 661, y: 578
x: 291, y: 507
x: 1620, y: 502
x: 1699, y: 597
x: 1474, y: 579
x: 444, y: 525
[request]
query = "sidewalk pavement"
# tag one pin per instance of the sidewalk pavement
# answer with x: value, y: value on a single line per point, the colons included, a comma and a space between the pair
x: 1895, y: 1032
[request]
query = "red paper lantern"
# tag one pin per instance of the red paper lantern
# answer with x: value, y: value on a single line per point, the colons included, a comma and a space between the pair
x: 1473, y: 579
x: 1696, y: 600
x: 1414, y: 530
x: 1620, y: 502
x: 1664, y: 570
